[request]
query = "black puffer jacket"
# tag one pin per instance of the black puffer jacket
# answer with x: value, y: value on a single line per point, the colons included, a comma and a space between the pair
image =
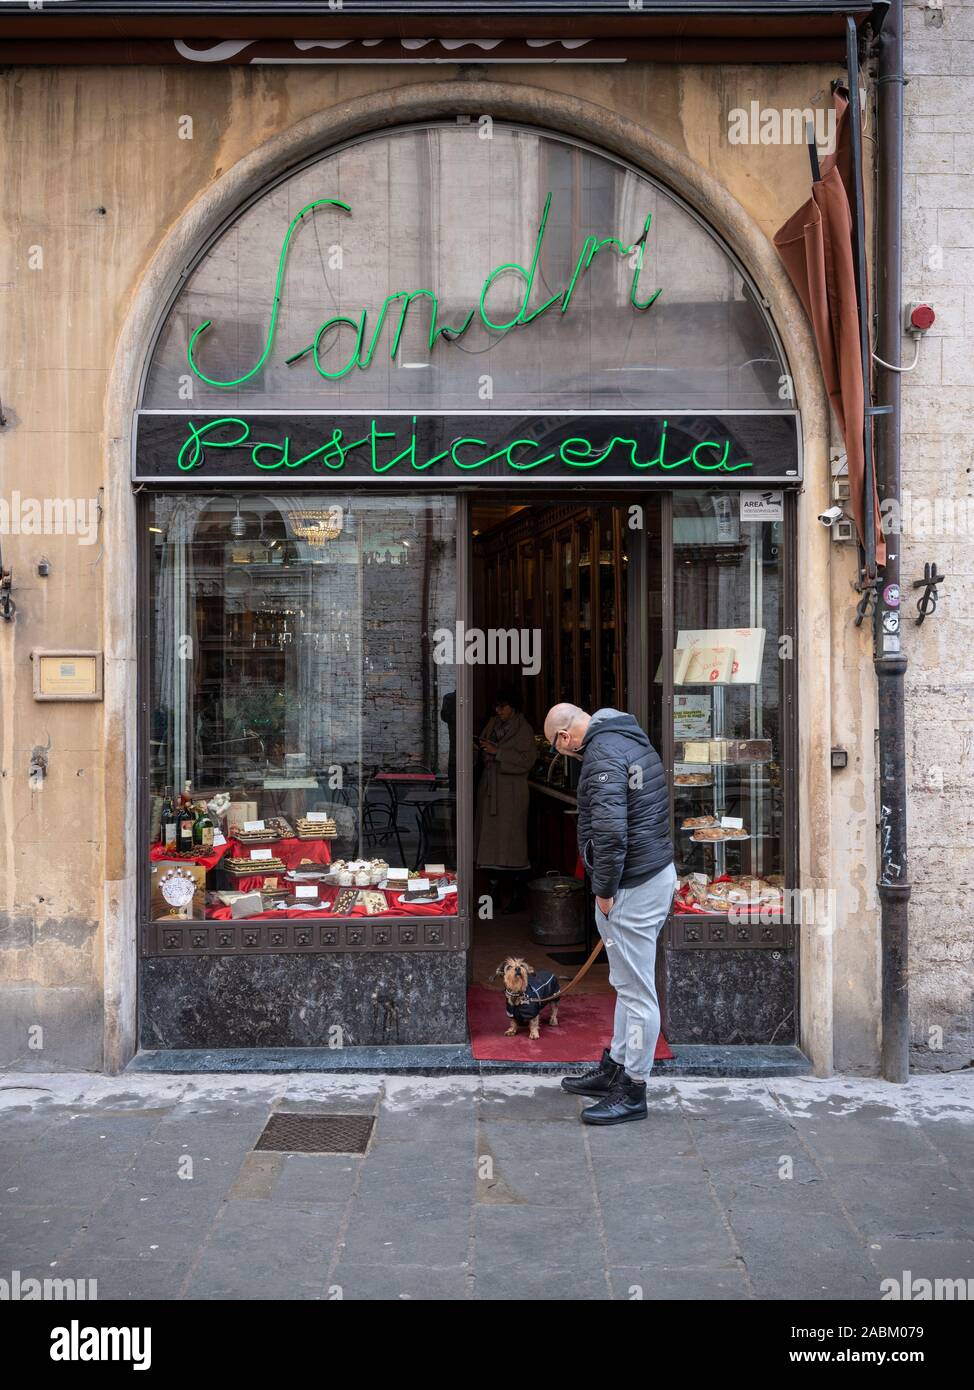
x: 623, y: 805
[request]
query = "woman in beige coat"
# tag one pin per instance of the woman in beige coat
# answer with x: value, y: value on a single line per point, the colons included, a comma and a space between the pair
x: 501, y: 830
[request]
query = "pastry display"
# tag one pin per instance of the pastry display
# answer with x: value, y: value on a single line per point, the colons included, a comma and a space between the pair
x: 716, y: 901
x: 713, y: 833
x: 741, y: 893
x: 692, y: 779
x: 373, y: 901
x: 245, y: 868
x: 698, y: 822
x: 316, y: 829
x: 275, y: 828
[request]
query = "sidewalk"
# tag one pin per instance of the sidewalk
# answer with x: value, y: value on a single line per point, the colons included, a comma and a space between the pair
x: 487, y: 1188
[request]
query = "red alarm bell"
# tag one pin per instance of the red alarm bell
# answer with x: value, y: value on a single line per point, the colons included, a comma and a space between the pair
x: 919, y: 317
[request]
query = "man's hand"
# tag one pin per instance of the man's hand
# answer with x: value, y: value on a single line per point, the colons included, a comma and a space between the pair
x: 605, y: 905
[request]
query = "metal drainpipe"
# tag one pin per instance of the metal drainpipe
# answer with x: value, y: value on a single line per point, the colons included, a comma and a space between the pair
x: 888, y: 658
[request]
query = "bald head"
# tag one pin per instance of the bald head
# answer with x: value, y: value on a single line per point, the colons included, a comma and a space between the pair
x: 565, y: 726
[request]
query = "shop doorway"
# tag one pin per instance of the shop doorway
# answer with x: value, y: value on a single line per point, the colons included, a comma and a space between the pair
x: 568, y: 592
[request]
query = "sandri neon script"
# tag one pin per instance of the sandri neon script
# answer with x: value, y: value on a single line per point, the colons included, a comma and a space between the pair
x: 365, y: 344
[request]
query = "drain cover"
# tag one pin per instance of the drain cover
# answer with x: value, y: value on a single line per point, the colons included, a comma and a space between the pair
x: 316, y: 1134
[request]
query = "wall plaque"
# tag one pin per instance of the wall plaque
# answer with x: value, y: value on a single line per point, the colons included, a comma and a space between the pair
x: 67, y: 675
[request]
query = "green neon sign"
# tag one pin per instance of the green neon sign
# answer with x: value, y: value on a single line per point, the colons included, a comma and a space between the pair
x: 467, y: 453
x: 364, y: 347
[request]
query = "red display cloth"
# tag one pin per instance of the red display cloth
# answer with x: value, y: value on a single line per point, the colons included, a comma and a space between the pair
x: 291, y: 851
x: 209, y: 861
x: 447, y: 907
x: 584, y: 1028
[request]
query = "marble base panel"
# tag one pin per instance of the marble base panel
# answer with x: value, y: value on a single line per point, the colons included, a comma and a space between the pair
x: 372, y: 999
x: 731, y: 997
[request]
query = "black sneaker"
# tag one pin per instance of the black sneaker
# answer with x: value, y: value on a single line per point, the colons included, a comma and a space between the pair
x: 597, y: 1081
x: 626, y: 1101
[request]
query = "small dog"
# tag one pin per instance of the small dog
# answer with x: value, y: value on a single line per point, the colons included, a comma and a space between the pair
x: 528, y: 992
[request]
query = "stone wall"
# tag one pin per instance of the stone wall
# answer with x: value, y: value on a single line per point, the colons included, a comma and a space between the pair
x: 938, y: 469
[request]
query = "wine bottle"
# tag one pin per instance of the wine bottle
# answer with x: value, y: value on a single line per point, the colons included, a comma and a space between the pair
x: 203, y: 829
x: 167, y: 821
x: 184, y: 829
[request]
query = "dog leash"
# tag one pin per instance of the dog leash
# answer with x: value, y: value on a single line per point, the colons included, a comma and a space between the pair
x: 584, y: 970
x: 556, y: 998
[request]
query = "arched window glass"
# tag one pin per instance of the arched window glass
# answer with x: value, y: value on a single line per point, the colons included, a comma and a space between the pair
x: 433, y: 213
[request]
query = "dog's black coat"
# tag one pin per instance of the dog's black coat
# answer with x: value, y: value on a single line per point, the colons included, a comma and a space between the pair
x: 541, y: 988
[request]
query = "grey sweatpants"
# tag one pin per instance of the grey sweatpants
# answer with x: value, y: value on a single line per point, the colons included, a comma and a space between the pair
x: 630, y: 932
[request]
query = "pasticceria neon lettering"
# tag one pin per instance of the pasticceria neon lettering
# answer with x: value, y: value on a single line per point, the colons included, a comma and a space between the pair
x: 466, y: 453
x: 366, y: 343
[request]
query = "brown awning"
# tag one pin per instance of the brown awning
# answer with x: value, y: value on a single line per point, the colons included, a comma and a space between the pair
x: 816, y: 246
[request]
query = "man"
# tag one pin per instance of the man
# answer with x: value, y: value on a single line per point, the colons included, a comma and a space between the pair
x: 624, y: 841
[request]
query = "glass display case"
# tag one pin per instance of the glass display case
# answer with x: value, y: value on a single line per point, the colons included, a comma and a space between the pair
x: 728, y: 786
x: 300, y: 738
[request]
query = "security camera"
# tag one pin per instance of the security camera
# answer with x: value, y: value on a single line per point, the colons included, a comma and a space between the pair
x: 830, y: 517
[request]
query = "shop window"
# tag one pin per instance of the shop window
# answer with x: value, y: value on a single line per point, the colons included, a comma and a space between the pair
x: 728, y: 678
x: 299, y: 706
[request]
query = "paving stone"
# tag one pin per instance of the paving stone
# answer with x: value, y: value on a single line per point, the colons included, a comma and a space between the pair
x: 31, y: 1234
x: 637, y: 1283
x: 435, y: 1234
x: 542, y: 1102
x: 908, y: 1200
x: 531, y: 1140
x: 956, y: 1142
x: 851, y: 1139
x: 564, y: 1183
x: 135, y: 1279
x: 536, y: 1282
x: 44, y: 1179
x: 171, y: 1224
x: 267, y: 1249
x: 391, y: 1282
x: 815, y: 1256
x: 683, y: 1178
x: 924, y: 1259
x: 316, y: 1178
x: 502, y: 1235
x: 691, y: 1233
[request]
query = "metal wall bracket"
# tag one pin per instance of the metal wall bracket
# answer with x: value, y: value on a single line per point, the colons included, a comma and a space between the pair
x: 7, y: 606
x: 927, y: 602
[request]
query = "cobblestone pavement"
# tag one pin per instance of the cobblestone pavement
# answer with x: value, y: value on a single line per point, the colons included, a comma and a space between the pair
x: 487, y: 1188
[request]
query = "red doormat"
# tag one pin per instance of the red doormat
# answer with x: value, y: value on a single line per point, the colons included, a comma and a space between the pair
x: 584, y: 1028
